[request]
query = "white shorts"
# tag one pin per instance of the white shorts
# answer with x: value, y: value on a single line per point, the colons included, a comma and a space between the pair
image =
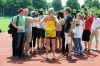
x: 67, y: 39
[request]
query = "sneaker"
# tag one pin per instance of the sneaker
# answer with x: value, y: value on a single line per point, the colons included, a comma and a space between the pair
x: 81, y: 54
x: 86, y: 49
x: 59, y: 49
x: 46, y: 56
x: 78, y: 54
x: 28, y: 53
x: 17, y: 57
x: 53, y: 57
x: 96, y: 48
x: 37, y: 50
x: 69, y: 55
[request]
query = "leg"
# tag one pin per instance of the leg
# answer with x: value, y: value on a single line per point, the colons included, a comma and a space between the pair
x: 96, y: 36
x: 53, y: 46
x: 63, y: 42
x: 92, y: 36
x: 67, y: 48
x: 21, y: 44
x: 42, y: 42
x: 76, y: 41
x: 60, y: 42
x: 85, y: 44
x: 18, y: 45
x: 14, y: 44
x: 68, y: 42
x: 56, y: 42
x: 47, y: 46
x: 80, y: 45
x: 38, y: 39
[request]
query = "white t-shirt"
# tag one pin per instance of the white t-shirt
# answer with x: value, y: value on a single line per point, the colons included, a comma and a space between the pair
x: 96, y: 23
x: 78, y: 30
x: 44, y: 24
x: 38, y: 25
x: 34, y: 24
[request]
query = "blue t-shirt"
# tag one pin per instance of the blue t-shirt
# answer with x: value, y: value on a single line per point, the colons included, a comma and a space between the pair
x: 67, y: 25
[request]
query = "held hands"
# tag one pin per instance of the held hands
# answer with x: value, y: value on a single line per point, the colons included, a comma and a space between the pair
x: 20, y: 29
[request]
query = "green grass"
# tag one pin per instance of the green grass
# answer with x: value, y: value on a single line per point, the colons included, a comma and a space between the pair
x: 4, y: 22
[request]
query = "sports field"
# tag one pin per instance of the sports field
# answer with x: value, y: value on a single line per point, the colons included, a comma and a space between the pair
x: 4, y: 22
x: 6, y: 59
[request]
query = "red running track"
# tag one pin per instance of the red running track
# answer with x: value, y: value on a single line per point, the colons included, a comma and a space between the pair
x: 90, y: 59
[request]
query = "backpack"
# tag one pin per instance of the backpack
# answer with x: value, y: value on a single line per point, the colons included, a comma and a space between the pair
x: 12, y: 29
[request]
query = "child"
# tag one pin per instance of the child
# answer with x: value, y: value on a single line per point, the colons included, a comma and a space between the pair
x: 78, y: 33
x: 87, y: 31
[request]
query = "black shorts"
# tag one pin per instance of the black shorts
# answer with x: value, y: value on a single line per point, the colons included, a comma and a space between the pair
x: 43, y: 33
x: 58, y: 34
x: 39, y: 33
x: 86, y: 35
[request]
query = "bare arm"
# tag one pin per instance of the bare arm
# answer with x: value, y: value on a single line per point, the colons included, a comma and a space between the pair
x: 42, y: 20
x: 62, y: 21
x: 32, y: 20
x: 14, y: 24
x: 56, y: 20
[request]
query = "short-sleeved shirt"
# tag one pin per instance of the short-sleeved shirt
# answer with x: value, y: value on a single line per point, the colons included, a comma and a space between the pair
x: 96, y: 23
x: 34, y: 24
x: 38, y: 25
x: 44, y: 24
x: 79, y: 30
x: 67, y: 25
x: 88, y: 23
x: 21, y: 22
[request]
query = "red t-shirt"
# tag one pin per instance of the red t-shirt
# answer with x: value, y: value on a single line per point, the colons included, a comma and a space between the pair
x: 88, y: 23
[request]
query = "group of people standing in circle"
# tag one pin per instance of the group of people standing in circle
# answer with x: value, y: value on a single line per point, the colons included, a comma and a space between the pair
x: 62, y: 31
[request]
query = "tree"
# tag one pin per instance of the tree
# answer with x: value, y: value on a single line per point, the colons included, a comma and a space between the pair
x: 96, y: 4
x: 25, y: 3
x: 73, y: 4
x: 57, y: 4
x: 49, y: 5
x: 11, y: 6
x: 88, y: 3
x: 38, y: 4
x: 1, y: 7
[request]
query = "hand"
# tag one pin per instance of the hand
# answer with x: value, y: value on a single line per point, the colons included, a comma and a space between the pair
x: 20, y: 29
x: 37, y: 19
x: 44, y: 28
x: 69, y: 33
x: 55, y: 29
